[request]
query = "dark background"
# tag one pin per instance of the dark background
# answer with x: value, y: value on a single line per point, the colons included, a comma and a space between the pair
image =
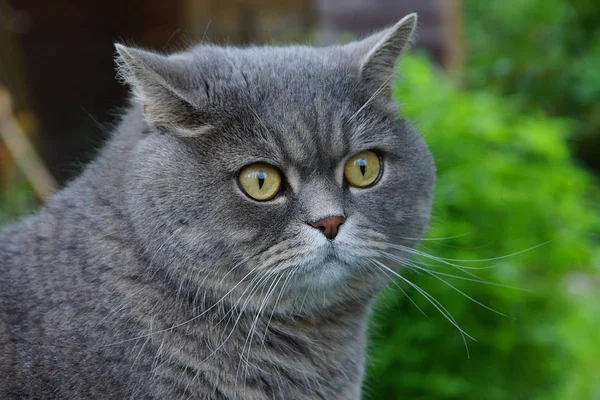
x: 59, y: 53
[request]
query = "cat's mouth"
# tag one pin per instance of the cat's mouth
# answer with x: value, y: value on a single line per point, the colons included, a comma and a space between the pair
x: 324, y: 269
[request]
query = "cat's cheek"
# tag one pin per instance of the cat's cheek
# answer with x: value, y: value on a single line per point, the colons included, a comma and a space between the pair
x: 250, y: 221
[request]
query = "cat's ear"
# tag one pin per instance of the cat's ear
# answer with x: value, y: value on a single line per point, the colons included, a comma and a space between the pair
x: 156, y: 82
x: 379, y: 52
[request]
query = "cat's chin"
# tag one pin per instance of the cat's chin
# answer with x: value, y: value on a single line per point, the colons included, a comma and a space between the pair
x: 324, y: 275
x: 325, y: 271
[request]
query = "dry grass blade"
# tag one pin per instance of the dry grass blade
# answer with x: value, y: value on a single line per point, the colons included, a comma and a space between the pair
x: 22, y: 150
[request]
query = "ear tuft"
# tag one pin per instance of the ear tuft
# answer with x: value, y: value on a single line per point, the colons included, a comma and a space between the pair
x: 122, y: 59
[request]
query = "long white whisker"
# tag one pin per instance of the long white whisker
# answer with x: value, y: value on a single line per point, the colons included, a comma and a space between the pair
x: 283, y: 287
x: 438, y: 259
x: 262, y: 306
x: 254, y: 283
x: 434, y: 258
x: 402, y: 290
x: 412, y: 264
x: 379, y: 90
x: 463, y: 293
x: 191, y: 319
x: 253, y: 287
x: 433, y: 301
x: 462, y: 278
x: 500, y: 257
x: 253, y: 327
x: 434, y: 239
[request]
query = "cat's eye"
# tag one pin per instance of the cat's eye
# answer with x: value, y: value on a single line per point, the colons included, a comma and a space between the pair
x: 260, y: 181
x: 363, y: 169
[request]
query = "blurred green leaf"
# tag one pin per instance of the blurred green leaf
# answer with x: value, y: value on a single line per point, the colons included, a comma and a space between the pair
x: 16, y: 200
x: 506, y: 184
x: 543, y: 53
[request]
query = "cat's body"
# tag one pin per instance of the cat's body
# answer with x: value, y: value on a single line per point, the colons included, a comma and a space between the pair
x: 152, y: 275
x: 64, y: 342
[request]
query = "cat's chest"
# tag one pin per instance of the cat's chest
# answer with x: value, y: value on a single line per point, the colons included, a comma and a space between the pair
x: 251, y: 361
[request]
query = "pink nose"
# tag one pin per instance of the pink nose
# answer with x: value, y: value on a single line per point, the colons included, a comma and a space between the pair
x: 329, y: 226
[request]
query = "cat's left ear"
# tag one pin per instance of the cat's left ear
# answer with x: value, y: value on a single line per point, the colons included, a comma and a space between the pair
x: 379, y: 53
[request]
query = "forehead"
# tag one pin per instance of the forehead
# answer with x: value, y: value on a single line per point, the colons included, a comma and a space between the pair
x: 308, y: 97
x: 265, y: 74
x: 299, y: 105
x: 307, y: 139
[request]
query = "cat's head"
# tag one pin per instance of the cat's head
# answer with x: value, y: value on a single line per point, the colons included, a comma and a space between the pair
x: 266, y: 167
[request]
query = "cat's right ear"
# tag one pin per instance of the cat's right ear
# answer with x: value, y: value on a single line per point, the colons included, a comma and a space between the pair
x: 156, y: 82
x: 377, y: 54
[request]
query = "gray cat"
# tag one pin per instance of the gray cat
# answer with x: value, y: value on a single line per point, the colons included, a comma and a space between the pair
x: 224, y: 244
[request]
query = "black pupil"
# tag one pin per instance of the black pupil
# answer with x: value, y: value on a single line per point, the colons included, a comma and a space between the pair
x: 261, y: 179
x: 362, y: 163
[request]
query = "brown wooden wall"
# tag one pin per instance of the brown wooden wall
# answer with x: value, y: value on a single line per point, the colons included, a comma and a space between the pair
x: 62, y: 51
x: 362, y: 17
x: 66, y: 50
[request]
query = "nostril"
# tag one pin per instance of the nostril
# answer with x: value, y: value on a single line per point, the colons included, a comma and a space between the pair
x: 329, y: 226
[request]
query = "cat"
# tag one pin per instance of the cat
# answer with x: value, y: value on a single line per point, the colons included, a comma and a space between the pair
x: 224, y: 243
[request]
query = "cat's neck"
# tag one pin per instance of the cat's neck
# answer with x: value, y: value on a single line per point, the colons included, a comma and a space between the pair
x: 321, y: 354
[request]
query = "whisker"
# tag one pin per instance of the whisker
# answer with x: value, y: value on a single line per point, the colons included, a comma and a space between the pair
x: 255, y: 283
x: 434, y: 302
x: 500, y: 257
x: 412, y: 264
x: 438, y: 259
x: 253, y: 287
x: 407, y: 249
x: 434, y: 239
x: 379, y: 90
x: 283, y: 287
x: 191, y: 319
x: 402, y: 290
x: 253, y: 328
x: 482, y: 246
x: 434, y: 258
x: 432, y: 299
x: 473, y: 280
x: 463, y: 293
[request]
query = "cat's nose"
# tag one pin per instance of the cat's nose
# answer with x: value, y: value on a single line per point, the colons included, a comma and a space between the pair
x: 329, y: 226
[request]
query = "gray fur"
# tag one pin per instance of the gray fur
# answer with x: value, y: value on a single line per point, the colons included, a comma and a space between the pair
x: 153, y: 276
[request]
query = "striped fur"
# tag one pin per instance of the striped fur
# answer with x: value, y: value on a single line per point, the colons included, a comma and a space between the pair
x: 152, y: 275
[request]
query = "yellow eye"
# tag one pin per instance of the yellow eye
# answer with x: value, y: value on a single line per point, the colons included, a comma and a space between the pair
x: 363, y: 169
x: 260, y: 181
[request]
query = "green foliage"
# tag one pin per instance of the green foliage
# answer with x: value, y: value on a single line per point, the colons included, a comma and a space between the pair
x: 546, y: 53
x: 506, y: 184
x: 17, y: 200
